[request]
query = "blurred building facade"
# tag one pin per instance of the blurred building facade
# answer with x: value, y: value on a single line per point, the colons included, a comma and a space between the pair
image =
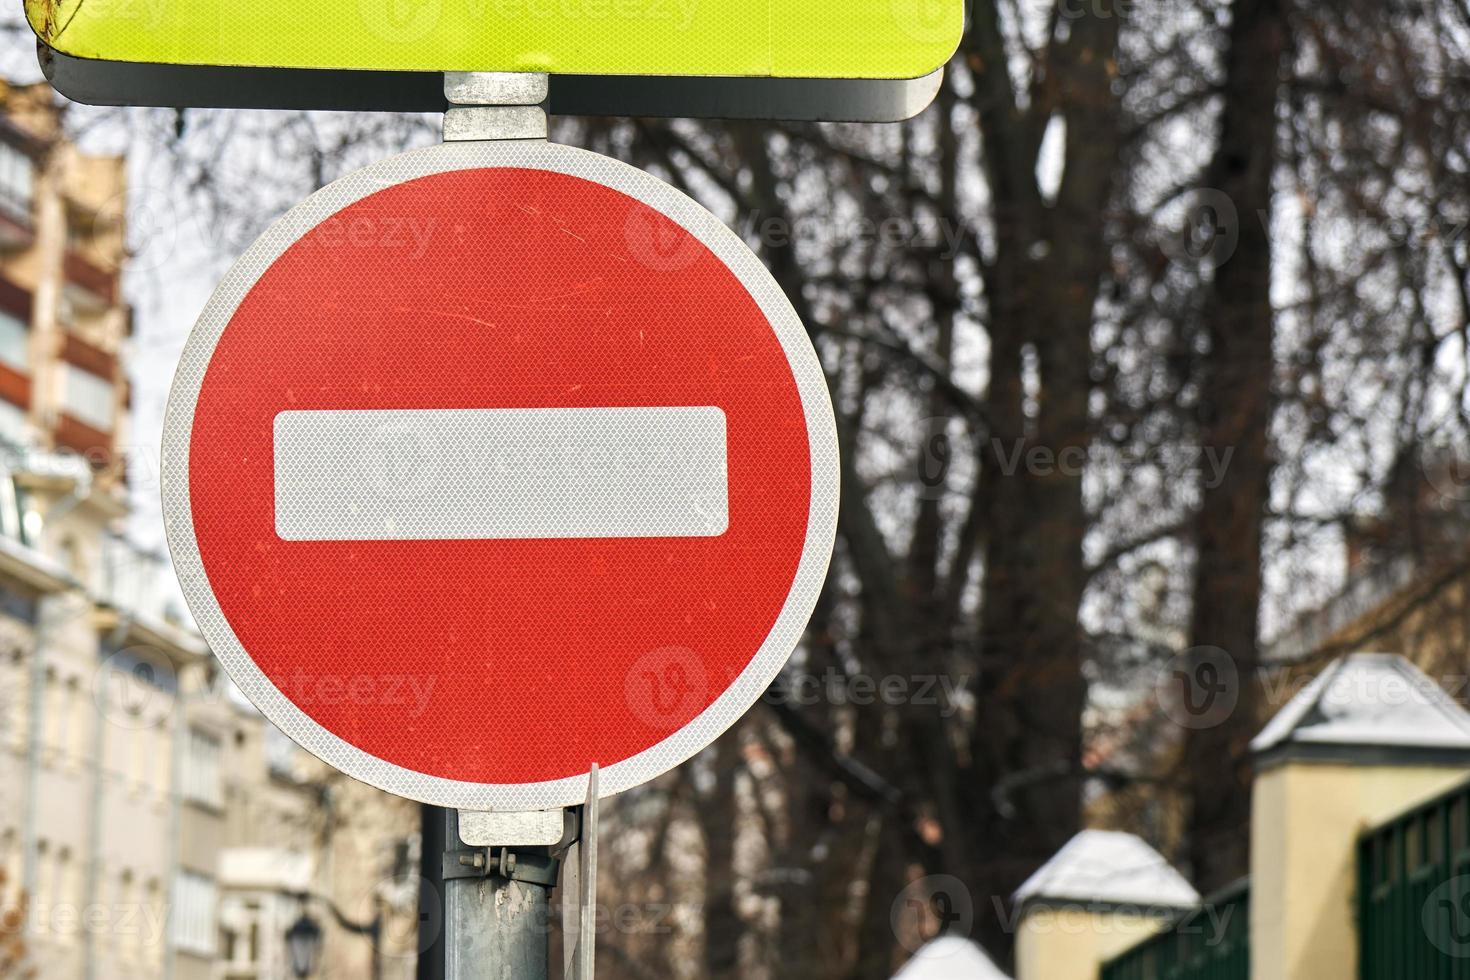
x: 152, y: 824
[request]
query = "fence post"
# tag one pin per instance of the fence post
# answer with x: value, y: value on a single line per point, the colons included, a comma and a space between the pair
x: 1368, y: 738
x: 1099, y: 895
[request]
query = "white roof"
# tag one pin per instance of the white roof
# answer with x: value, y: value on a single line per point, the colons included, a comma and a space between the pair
x: 1110, y: 867
x: 1377, y: 699
x: 950, y: 958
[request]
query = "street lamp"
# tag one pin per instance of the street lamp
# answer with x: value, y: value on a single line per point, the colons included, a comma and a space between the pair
x: 304, y: 944
x: 304, y: 938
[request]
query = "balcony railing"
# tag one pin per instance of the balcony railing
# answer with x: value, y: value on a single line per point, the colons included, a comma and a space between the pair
x: 91, y: 277
x: 1211, y: 942
x: 92, y: 444
x: 138, y: 582
x: 17, y: 225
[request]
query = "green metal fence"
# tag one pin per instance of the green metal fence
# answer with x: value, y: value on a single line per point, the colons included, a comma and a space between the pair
x: 1414, y: 893
x: 1211, y: 942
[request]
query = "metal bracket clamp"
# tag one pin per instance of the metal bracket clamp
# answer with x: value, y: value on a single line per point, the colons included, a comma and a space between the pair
x: 486, y: 105
x: 502, y: 862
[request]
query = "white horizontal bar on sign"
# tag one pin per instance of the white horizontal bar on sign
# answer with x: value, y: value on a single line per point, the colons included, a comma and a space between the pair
x: 500, y: 473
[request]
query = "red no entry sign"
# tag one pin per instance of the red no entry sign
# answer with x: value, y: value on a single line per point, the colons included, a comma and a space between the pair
x: 492, y: 461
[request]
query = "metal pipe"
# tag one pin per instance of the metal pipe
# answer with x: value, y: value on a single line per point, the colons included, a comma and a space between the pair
x: 494, y: 928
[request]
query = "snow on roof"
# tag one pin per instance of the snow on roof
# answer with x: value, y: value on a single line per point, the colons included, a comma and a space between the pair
x: 950, y: 958
x: 1370, y: 699
x: 1110, y: 867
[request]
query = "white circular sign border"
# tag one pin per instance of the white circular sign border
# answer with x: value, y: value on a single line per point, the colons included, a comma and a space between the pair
x: 806, y: 369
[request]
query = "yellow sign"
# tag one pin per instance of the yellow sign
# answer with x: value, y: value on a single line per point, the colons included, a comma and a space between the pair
x: 775, y: 38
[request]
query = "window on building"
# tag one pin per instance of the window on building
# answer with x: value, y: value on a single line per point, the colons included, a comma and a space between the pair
x: 195, y: 897
x: 127, y: 899
x: 19, y: 605
x: 140, y: 761
x: 11, y: 857
x: 88, y: 398
x: 202, y: 782
x: 78, y: 744
x: 57, y: 714
x: 280, y: 752
x: 13, y: 423
x: 61, y: 889
x: 15, y: 342
x: 17, y: 183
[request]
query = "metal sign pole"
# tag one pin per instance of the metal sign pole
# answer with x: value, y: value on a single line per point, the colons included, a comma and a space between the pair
x: 497, y: 904
x: 495, y: 927
x: 497, y: 895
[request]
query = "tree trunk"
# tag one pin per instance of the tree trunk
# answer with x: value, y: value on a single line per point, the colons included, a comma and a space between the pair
x: 1235, y: 414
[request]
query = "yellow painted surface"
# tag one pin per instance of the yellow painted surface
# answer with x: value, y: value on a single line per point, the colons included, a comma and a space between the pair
x: 1305, y: 822
x: 1072, y: 943
x: 782, y: 38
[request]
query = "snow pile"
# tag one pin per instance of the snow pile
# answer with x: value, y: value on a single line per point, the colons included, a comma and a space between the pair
x: 950, y: 958
x: 1370, y: 699
x: 1102, y: 866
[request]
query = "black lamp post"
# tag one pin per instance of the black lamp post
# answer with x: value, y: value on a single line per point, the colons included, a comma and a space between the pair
x: 304, y: 946
x: 304, y: 938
